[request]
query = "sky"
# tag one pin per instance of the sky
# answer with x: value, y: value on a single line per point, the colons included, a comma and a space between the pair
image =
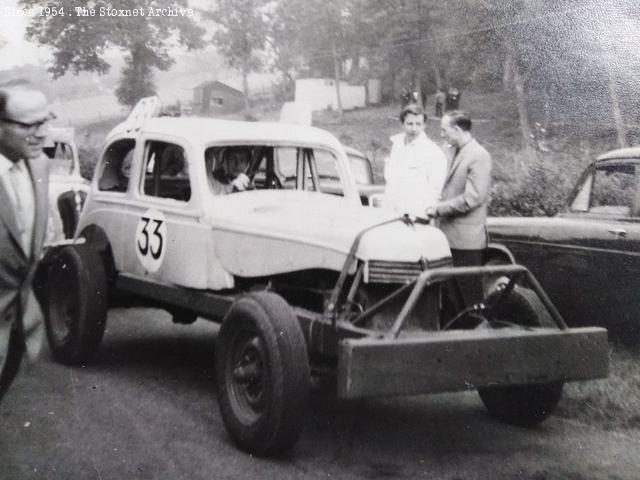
x: 17, y: 51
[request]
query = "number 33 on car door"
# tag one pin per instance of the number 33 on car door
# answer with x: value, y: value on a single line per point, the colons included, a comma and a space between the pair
x: 151, y: 237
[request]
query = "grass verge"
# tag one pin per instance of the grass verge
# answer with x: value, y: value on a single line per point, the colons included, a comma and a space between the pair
x: 612, y: 403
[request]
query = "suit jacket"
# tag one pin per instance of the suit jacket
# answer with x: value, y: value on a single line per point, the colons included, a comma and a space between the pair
x: 18, y: 305
x: 462, y: 213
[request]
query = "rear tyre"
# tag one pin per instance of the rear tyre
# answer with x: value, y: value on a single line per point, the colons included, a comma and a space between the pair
x: 76, y: 310
x: 11, y: 350
x: 524, y: 405
x: 263, y: 374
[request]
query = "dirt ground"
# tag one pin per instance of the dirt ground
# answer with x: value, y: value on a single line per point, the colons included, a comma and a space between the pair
x: 146, y: 408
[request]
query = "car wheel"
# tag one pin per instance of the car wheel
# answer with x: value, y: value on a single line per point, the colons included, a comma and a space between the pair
x: 490, y: 283
x: 524, y: 405
x: 75, y: 315
x: 11, y: 350
x: 263, y: 374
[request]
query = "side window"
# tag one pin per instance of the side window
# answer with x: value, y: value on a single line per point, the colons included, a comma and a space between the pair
x: 166, y: 173
x: 327, y: 169
x: 614, y: 190
x: 114, y: 177
x: 361, y: 169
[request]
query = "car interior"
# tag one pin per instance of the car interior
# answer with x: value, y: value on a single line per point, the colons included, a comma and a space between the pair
x: 284, y: 167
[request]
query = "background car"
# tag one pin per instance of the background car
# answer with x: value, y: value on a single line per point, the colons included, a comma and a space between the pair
x: 587, y: 257
x: 67, y: 188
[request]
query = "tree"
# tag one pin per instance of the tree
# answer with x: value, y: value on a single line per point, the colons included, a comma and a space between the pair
x: 81, y: 42
x: 241, y: 35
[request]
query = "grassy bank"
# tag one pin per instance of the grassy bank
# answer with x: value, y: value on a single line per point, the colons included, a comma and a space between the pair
x: 612, y: 403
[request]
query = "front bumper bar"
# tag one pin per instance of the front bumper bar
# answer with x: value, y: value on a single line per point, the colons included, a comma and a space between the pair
x: 431, y: 362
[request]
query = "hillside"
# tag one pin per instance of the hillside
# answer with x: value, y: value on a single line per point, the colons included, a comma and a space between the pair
x: 523, y: 184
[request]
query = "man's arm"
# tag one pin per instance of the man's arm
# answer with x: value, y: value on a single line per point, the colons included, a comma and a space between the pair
x: 476, y: 190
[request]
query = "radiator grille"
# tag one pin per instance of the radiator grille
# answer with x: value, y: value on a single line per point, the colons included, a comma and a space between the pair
x: 381, y: 271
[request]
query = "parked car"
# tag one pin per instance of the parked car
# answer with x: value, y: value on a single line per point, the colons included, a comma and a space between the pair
x: 67, y: 188
x: 304, y: 282
x: 587, y: 257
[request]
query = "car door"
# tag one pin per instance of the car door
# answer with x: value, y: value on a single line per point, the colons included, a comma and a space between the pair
x: 608, y: 201
x: 165, y: 237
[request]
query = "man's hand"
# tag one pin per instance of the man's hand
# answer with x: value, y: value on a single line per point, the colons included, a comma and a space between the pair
x: 241, y: 182
x: 431, y: 212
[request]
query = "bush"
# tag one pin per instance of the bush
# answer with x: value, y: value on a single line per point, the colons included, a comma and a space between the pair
x: 535, y: 184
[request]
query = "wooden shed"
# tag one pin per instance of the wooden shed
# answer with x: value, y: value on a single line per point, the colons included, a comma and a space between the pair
x: 214, y: 97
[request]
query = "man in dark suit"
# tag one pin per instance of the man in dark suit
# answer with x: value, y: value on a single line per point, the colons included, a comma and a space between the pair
x: 23, y: 217
x: 462, y: 211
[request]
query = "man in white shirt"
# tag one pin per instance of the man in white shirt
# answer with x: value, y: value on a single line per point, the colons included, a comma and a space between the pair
x: 416, y: 168
x: 24, y: 115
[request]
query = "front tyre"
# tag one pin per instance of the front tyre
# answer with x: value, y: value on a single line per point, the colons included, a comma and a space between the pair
x: 76, y: 310
x: 523, y: 405
x: 263, y: 374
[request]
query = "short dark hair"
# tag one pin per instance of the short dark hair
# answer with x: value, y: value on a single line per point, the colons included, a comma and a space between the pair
x: 413, y: 109
x: 237, y: 150
x: 459, y: 118
x: 6, y: 87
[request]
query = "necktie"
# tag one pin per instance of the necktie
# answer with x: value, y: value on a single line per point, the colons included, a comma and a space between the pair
x: 24, y: 204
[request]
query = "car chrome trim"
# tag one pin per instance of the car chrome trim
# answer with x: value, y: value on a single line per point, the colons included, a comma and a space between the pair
x: 571, y: 247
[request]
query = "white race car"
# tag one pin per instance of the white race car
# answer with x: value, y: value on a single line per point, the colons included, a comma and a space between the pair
x: 305, y: 280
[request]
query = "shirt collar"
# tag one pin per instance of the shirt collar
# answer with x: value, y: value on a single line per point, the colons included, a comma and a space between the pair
x: 5, y: 164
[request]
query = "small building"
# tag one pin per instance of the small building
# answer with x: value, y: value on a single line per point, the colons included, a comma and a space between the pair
x: 214, y: 97
x: 321, y: 94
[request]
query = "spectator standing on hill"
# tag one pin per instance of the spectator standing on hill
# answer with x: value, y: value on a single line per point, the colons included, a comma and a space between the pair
x: 452, y: 99
x: 462, y: 212
x: 440, y: 98
x: 415, y: 170
x: 24, y: 182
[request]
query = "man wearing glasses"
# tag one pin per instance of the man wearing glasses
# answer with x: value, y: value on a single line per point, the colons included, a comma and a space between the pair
x: 23, y: 216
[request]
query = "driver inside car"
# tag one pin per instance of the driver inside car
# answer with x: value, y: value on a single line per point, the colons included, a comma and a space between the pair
x: 230, y: 175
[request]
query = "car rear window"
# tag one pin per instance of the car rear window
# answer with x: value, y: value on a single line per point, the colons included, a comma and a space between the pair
x: 116, y: 164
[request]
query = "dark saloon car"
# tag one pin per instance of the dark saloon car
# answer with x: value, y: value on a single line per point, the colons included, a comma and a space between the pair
x: 587, y: 258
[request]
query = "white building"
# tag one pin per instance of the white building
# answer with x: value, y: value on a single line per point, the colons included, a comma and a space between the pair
x: 320, y: 93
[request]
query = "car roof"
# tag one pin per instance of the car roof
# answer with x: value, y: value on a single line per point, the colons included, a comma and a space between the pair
x: 630, y: 152
x: 353, y: 151
x: 208, y: 130
x: 59, y: 134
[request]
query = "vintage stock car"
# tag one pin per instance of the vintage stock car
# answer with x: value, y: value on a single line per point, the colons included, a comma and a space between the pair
x: 306, y: 283
x: 67, y: 189
x: 587, y: 257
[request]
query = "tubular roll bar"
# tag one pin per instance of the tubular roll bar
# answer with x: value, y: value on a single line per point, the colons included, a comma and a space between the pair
x: 331, y: 309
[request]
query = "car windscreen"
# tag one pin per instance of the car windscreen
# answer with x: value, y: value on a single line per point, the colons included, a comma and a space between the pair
x: 361, y: 169
x: 611, y: 189
x: 60, y: 157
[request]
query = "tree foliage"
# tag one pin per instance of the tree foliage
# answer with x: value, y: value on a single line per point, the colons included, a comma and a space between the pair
x: 240, y: 34
x: 81, y: 43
